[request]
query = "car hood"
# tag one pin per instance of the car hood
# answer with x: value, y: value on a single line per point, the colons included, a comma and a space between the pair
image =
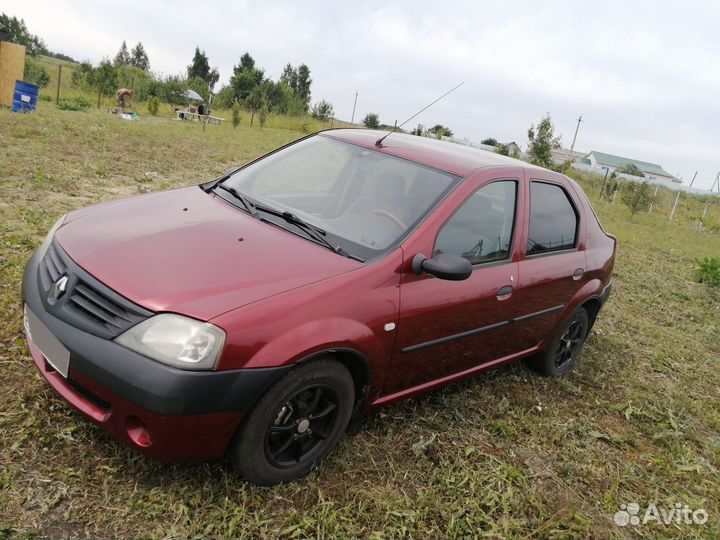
x: 190, y: 252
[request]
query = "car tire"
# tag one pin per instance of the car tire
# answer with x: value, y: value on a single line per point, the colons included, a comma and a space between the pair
x: 565, y: 348
x: 296, y: 424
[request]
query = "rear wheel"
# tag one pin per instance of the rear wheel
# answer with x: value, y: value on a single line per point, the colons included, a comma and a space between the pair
x: 563, y: 351
x: 295, y: 424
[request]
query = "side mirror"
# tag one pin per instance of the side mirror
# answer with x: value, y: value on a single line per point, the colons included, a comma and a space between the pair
x: 443, y: 266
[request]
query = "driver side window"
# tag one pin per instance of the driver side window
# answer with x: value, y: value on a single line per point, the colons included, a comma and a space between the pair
x: 481, y: 229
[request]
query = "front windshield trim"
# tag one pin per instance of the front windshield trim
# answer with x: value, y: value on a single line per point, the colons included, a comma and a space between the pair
x: 359, y: 250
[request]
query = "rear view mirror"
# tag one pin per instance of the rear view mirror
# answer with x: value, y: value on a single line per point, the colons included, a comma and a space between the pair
x: 450, y: 267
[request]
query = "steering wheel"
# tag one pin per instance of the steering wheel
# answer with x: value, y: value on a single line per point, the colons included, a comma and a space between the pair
x: 392, y: 217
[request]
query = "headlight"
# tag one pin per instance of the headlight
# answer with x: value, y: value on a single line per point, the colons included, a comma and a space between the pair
x: 48, y: 239
x: 176, y: 340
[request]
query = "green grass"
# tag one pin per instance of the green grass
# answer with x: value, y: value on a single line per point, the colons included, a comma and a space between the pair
x: 504, y: 454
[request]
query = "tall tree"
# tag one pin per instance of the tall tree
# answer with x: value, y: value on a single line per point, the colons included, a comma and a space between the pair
x: 303, y: 83
x: 540, y: 141
x: 247, y: 63
x: 122, y: 58
x: 139, y: 57
x: 289, y: 76
x: 246, y: 77
x: 200, y: 67
x: 18, y: 33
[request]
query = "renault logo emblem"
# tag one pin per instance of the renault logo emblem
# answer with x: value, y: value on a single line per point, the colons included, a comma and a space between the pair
x: 59, y: 287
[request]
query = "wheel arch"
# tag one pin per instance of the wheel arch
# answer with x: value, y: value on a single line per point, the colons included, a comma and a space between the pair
x: 592, y: 306
x: 360, y: 370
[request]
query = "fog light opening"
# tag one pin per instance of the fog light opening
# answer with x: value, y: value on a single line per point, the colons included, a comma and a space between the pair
x: 138, y: 431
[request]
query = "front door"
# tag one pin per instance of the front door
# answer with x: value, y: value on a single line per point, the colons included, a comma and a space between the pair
x: 446, y: 327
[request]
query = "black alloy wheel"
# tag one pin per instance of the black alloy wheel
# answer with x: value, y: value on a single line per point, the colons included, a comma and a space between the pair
x: 301, y: 425
x: 565, y: 348
x: 295, y: 424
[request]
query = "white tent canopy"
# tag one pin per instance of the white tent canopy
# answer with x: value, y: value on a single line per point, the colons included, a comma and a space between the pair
x: 192, y: 94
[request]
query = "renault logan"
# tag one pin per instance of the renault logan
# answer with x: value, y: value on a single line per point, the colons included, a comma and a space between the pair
x: 260, y: 314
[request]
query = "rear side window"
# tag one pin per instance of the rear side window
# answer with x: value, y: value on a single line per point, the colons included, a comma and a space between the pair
x: 553, y: 219
x: 481, y: 229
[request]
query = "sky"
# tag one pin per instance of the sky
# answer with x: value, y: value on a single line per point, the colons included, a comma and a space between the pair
x: 644, y: 75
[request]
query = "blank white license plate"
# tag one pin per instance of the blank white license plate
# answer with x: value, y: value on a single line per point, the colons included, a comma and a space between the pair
x: 54, y: 352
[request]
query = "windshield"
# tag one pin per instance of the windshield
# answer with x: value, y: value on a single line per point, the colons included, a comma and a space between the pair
x: 364, y: 200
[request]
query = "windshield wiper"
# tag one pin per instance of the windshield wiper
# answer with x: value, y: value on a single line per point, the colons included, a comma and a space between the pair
x: 314, y: 232
x: 235, y: 193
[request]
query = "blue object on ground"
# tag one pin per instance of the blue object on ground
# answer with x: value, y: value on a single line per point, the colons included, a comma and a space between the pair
x: 25, y: 97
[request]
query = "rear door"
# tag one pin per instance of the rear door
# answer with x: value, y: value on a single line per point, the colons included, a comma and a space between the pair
x: 552, y: 269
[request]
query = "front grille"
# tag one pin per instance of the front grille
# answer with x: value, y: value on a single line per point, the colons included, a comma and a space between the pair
x: 101, y: 310
x: 87, y: 304
x: 51, y: 267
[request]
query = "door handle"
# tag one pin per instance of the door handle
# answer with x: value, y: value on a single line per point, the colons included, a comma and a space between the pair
x: 578, y: 273
x: 504, y: 293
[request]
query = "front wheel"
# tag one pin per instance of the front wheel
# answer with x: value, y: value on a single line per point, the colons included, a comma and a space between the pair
x: 295, y: 424
x: 563, y: 351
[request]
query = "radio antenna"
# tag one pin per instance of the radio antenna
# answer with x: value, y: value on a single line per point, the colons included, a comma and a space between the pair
x: 381, y: 139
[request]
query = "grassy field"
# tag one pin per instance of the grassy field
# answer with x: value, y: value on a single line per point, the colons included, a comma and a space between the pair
x: 504, y: 454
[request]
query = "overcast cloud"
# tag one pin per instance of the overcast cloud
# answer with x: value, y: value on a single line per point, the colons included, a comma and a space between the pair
x: 644, y: 75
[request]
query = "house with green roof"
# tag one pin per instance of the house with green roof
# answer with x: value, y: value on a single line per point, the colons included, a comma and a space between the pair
x: 652, y: 171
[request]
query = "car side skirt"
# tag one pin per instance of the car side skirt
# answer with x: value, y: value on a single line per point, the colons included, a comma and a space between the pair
x: 425, y: 387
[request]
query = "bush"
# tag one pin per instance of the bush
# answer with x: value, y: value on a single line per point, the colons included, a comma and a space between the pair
x: 236, y: 118
x: 36, y: 74
x: 610, y: 186
x: 502, y: 149
x: 77, y: 103
x: 153, y: 105
x: 323, y: 110
x: 637, y: 196
x: 225, y: 98
x: 708, y: 271
x: 371, y: 121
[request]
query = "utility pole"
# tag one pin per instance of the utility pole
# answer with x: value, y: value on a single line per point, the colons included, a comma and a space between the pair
x: 352, y: 120
x: 572, y: 146
x: 672, y: 214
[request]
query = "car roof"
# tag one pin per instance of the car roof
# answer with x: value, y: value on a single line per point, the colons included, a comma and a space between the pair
x: 451, y: 157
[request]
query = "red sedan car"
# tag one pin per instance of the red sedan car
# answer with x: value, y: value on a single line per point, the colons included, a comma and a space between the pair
x: 259, y: 314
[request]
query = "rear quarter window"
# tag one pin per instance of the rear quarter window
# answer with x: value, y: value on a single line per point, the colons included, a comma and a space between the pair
x: 553, y: 219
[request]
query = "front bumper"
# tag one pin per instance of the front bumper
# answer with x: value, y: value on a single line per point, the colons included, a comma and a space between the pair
x: 161, y: 411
